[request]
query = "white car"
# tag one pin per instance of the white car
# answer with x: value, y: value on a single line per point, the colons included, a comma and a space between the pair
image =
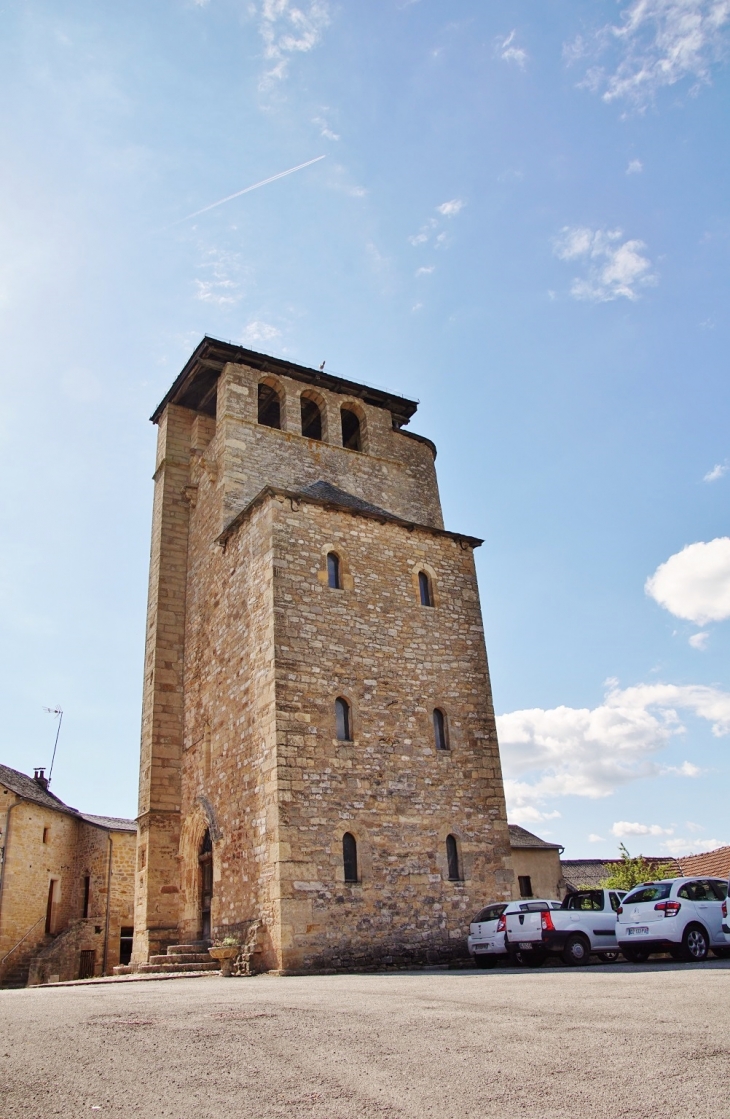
x: 486, y: 936
x: 682, y: 916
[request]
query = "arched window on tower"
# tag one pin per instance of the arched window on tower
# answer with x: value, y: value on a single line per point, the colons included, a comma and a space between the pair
x: 351, y: 433
x: 333, y: 571
x: 269, y: 406
x: 343, y: 721
x: 311, y: 418
x: 439, y: 729
x: 424, y: 588
x: 349, y: 857
x: 452, y: 858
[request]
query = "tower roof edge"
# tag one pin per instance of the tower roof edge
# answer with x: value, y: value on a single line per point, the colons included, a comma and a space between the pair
x: 195, y: 386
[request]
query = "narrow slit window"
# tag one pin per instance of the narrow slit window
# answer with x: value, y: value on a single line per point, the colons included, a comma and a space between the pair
x: 452, y: 858
x: 269, y: 407
x: 424, y: 587
x: 343, y: 721
x: 46, y: 834
x: 351, y: 433
x: 333, y: 571
x: 311, y: 419
x: 126, y: 943
x: 439, y: 730
x: 349, y: 857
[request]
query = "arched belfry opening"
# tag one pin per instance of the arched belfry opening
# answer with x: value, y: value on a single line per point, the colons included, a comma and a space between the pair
x: 205, y: 864
x: 351, y: 430
x: 269, y: 406
x: 311, y: 417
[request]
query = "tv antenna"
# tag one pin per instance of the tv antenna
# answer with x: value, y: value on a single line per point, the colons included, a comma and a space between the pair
x: 55, y: 711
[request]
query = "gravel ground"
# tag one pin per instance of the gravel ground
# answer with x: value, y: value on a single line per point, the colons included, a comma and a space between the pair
x: 606, y: 1040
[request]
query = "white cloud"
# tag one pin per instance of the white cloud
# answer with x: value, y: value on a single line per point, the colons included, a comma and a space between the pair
x: 509, y: 52
x: 585, y: 752
x: 656, y: 44
x: 699, y: 640
x: 450, y: 209
x: 678, y: 846
x: 718, y: 471
x: 622, y: 828
x: 593, y: 838
x: 695, y: 583
x: 615, y: 268
x: 257, y: 332
x: 686, y: 769
x: 324, y: 128
x: 220, y: 287
x: 287, y: 29
x: 635, y: 167
x: 426, y: 270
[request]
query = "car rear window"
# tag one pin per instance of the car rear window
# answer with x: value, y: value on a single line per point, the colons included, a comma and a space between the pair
x: 586, y: 899
x: 648, y: 893
x: 534, y: 907
x: 491, y: 913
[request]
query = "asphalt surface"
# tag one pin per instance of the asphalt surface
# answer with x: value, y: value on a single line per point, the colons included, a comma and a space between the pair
x: 605, y: 1040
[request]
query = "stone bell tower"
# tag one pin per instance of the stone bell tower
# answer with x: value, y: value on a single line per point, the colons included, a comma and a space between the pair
x: 319, y: 752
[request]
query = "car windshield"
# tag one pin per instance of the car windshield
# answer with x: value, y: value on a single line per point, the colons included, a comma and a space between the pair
x: 656, y: 892
x: 586, y: 899
x: 491, y: 913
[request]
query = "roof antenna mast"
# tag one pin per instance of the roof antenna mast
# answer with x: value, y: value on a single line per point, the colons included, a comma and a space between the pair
x: 54, y: 711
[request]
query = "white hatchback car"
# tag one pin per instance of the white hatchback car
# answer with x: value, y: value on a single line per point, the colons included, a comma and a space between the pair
x: 486, y: 936
x: 682, y: 916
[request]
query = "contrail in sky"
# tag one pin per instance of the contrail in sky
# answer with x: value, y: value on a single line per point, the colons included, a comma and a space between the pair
x: 247, y: 189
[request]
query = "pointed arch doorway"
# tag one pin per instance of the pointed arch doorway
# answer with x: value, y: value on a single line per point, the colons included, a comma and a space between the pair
x: 205, y: 872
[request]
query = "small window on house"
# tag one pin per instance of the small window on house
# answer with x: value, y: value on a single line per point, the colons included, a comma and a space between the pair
x: 311, y: 419
x: 269, y: 407
x: 342, y: 720
x: 349, y: 857
x: 525, y: 883
x: 51, y: 907
x: 87, y: 893
x: 439, y: 729
x: 333, y: 571
x: 126, y: 941
x: 452, y: 858
x: 424, y: 587
x: 46, y: 834
x: 351, y: 434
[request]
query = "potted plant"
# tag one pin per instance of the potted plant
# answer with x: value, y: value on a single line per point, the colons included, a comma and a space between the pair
x: 225, y: 952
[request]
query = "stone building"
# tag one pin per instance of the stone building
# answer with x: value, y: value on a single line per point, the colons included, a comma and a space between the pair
x: 319, y: 755
x: 536, y: 863
x: 66, y: 885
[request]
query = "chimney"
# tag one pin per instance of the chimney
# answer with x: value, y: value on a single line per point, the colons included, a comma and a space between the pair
x: 39, y: 776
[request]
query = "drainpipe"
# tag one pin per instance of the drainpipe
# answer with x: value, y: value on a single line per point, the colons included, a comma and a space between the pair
x: 5, y: 851
x: 108, y: 905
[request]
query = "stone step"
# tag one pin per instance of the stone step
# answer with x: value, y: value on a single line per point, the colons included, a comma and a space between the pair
x: 170, y: 968
x: 182, y: 957
x: 195, y: 946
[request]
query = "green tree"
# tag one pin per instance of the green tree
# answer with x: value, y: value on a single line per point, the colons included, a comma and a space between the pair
x: 634, y: 869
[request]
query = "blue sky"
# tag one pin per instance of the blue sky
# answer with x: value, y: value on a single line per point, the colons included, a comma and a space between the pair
x: 522, y: 220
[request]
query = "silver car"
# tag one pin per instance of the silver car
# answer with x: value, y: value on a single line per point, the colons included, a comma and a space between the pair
x: 486, y: 936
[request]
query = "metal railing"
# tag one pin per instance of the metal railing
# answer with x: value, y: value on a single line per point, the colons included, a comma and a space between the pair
x: 22, y: 940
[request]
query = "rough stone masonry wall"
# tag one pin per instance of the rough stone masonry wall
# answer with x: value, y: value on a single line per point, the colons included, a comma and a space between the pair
x: 30, y: 865
x: 229, y: 766
x: 395, y: 471
x: 394, y: 661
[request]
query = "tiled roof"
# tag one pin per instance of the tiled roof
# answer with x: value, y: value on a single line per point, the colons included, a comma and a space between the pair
x: 521, y: 837
x: 29, y: 789
x: 325, y: 491
x: 716, y: 863
x: 113, y: 823
x: 591, y: 872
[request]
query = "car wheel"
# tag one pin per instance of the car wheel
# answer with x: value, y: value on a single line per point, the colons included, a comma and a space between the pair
x: 577, y: 951
x: 609, y: 957
x: 695, y: 944
x: 635, y: 955
x: 484, y: 961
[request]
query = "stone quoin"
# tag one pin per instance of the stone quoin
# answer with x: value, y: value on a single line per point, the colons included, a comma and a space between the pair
x: 319, y: 758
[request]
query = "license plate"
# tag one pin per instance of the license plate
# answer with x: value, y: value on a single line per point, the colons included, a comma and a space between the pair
x: 525, y: 945
x: 638, y: 930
